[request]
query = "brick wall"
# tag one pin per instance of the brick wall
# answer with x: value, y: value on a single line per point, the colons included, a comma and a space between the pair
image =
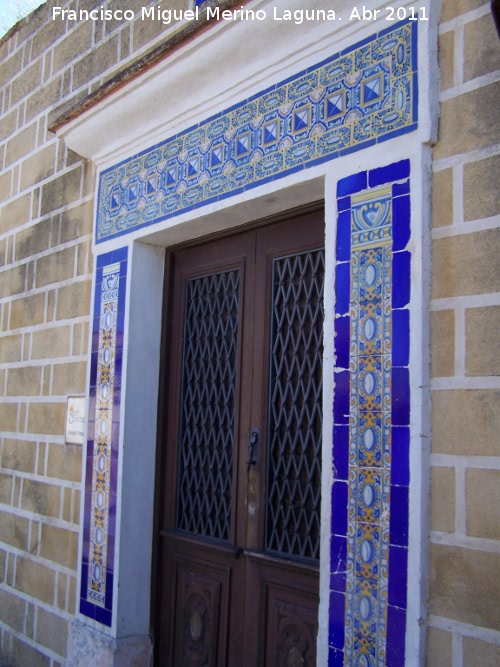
x: 465, y: 333
x: 46, y: 195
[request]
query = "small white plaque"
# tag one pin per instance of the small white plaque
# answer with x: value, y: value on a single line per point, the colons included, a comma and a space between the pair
x: 75, y: 420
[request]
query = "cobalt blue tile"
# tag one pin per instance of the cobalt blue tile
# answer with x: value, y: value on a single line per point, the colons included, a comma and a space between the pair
x: 118, y: 368
x: 400, y: 456
x: 103, y: 260
x: 341, y: 398
x: 120, y: 254
x: 108, y: 603
x: 85, y: 543
x: 87, y: 609
x: 397, y: 133
x: 396, y: 635
x: 399, y: 516
x: 338, y: 565
x: 341, y: 452
x: 358, y: 147
x: 336, y: 620
x: 339, y: 508
x: 344, y: 236
x: 83, y: 582
x: 342, y: 341
x: 398, y: 576
x: 392, y: 26
x: 335, y: 657
x: 351, y: 184
x: 103, y: 616
x: 401, y: 222
x: 343, y: 204
x: 401, y: 188
x: 415, y: 93
x: 392, y: 172
x: 400, y: 337
x: 400, y: 396
x: 401, y: 262
x: 342, y: 288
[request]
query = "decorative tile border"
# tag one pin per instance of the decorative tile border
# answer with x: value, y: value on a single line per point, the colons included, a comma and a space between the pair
x: 360, y: 96
x: 103, y: 432
x: 369, y: 543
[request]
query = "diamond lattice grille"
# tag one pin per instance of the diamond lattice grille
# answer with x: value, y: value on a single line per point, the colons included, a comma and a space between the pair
x: 207, y: 412
x: 294, y: 460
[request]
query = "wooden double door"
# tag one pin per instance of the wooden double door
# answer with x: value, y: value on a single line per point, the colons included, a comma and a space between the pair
x: 240, y: 482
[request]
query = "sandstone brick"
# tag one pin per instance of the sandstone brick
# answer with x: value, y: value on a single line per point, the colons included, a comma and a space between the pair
x: 8, y: 124
x: 19, y: 455
x: 76, y: 222
x: 443, y: 499
x: 47, y: 418
x: 446, y: 59
x: 33, y: 240
x: 478, y: 652
x: 59, y: 545
x: 73, y: 300
x: 5, y: 489
x: 55, y: 267
x: 14, y: 530
x: 46, y: 97
x: 442, y: 343
x: 466, y: 422
x: 467, y: 122
x: 482, y: 495
x: 26, y: 82
x: 38, y: 167
x: 35, y: 579
x: 466, y: 264
x: 463, y: 586
x: 8, y: 416
x: 25, y: 654
x: 481, y: 47
x: 12, y: 281
x: 453, y: 8
x: 10, y: 67
x: 61, y: 191
x: 76, y: 42
x: 95, y: 62
x: 65, y: 462
x: 13, y: 610
x: 15, y: 213
x: 5, y: 183
x: 41, y: 498
x: 49, y: 343
x: 69, y: 378
x: 24, y: 381
x: 27, y: 311
x: 21, y: 144
x: 3, y: 561
x: 10, y: 348
x: 52, y: 631
x: 442, y: 198
x: 482, y: 326
x: 481, y: 191
x: 146, y: 31
x: 44, y: 38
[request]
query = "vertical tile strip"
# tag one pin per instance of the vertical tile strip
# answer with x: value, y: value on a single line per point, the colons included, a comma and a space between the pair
x: 103, y: 433
x: 371, y: 420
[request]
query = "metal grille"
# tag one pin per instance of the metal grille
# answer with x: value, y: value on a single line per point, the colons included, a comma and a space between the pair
x: 294, y: 460
x: 207, y: 411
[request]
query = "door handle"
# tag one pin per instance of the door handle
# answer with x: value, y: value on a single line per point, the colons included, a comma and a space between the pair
x: 253, y: 442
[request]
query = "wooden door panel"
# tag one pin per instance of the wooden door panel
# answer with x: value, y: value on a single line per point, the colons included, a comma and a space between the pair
x: 234, y: 591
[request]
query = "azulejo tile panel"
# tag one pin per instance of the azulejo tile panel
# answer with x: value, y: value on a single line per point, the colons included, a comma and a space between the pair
x: 96, y: 593
x: 369, y: 550
x: 356, y: 98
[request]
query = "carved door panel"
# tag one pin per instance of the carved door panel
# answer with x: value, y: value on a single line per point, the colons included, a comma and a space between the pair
x: 241, y: 468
